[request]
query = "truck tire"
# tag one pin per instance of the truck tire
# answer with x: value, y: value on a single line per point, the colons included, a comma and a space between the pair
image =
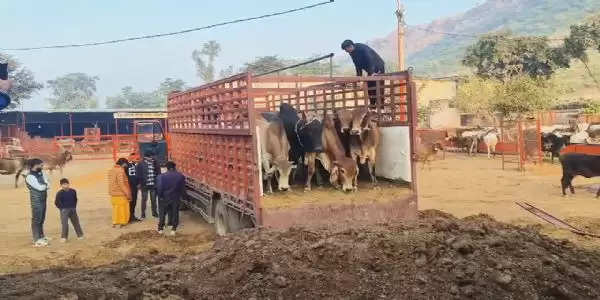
x: 221, y: 219
x: 237, y: 221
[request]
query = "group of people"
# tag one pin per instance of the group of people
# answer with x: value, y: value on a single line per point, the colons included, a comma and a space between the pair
x: 125, y: 179
x: 128, y: 177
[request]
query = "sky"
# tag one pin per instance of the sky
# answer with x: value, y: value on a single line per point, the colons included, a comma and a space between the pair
x: 144, y: 64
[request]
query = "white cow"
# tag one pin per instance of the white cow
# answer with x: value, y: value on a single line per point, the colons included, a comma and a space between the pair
x: 491, y: 140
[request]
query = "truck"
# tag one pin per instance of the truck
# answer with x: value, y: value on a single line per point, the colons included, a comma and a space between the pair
x: 150, y: 137
x: 214, y: 142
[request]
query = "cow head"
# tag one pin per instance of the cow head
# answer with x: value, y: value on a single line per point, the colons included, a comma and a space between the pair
x: 345, y: 119
x: 284, y: 168
x: 344, y: 173
x: 309, y: 130
x: 360, y: 120
x: 68, y: 156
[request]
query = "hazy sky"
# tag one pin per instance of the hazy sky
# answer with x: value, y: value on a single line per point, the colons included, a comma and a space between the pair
x: 143, y: 64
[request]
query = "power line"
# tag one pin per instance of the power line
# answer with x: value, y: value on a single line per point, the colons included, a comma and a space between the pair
x: 151, y: 36
x: 475, y: 36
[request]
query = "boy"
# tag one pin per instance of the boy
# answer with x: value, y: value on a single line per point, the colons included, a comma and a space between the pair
x: 66, y: 202
x: 133, y: 178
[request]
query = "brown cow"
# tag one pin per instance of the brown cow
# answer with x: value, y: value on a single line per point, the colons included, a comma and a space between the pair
x: 275, y: 147
x: 360, y: 120
x: 344, y: 117
x: 364, y: 140
x: 342, y: 169
x: 12, y: 166
x: 426, y: 152
x: 54, y: 160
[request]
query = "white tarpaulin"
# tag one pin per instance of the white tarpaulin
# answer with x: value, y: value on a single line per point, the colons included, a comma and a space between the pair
x: 393, y: 155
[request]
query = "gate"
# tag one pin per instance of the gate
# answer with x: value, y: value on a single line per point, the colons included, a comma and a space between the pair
x: 520, y: 143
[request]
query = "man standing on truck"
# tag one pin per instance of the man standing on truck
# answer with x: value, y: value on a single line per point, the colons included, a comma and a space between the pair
x: 147, y: 170
x: 365, y: 58
x: 169, y: 189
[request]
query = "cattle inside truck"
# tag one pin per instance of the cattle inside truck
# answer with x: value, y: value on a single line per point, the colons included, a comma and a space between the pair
x: 215, y: 144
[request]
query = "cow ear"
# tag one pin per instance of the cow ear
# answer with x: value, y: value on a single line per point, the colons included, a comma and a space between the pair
x: 304, y: 116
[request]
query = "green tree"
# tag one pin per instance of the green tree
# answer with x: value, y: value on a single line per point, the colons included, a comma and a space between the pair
x: 73, y: 91
x: 24, y: 84
x: 227, y: 72
x: 128, y: 98
x: 476, y: 96
x: 513, y: 98
x: 322, y: 67
x: 503, y: 56
x: 264, y: 64
x: 205, y: 60
x: 523, y: 95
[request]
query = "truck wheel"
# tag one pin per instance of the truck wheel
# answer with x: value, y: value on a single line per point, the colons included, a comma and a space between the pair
x: 221, y: 219
x: 238, y: 222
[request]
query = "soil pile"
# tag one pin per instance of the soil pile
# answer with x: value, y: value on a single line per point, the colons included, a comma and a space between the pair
x: 434, y: 257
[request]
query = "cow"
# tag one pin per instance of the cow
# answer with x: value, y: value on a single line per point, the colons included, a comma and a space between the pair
x: 553, y: 144
x: 12, y: 166
x: 305, y: 137
x: 491, y: 140
x: 365, y: 140
x: 275, y: 149
x: 426, y: 151
x: 58, y: 160
x: 342, y: 169
x: 574, y: 164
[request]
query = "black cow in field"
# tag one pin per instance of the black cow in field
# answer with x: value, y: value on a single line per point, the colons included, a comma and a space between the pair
x: 304, y: 135
x: 553, y: 144
x: 574, y: 164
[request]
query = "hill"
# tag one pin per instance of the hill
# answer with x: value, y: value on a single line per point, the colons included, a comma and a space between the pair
x: 435, y: 54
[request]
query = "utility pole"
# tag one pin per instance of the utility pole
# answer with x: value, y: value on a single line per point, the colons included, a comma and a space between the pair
x: 401, y: 24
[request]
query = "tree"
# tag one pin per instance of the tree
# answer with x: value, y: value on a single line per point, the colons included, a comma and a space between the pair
x: 522, y: 95
x: 73, y: 91
x: 583, y: 37
x: 24, y: 84
x: 264, y: 64
x: 476, y: 95
x: 513, y: 98
x: 227, y: 72
x: 503, y: 56
x: 169, y: 85
x: 322, y: 67
x: 128, y: 98
x: 205, y: 59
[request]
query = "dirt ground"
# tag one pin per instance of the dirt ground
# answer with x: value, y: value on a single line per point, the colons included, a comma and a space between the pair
x: 458, y: 185
x: 465, y: 186
x: 436, y: 256
x: 102, y: 243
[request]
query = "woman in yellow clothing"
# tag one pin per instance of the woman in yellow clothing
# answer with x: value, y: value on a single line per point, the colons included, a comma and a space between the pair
x: 120, y: 193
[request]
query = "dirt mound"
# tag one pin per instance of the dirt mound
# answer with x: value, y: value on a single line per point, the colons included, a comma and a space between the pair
x: 434, y: 257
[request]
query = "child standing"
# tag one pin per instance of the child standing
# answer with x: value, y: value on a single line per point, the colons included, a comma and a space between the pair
x: 66, y: 202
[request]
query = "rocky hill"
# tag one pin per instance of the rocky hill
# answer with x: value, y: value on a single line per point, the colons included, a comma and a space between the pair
x: 436, y: 54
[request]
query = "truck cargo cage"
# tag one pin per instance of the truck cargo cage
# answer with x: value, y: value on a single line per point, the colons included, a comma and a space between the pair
x: 214, y: 141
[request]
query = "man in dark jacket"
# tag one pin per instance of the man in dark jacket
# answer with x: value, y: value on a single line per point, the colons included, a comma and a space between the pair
x: 365, y: 58
x: 147, y: 171
x: 37, y: 183
x: 170, y: 187
x: 134, y: 181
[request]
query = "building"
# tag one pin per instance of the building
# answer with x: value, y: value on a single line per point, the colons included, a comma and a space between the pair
x: 439, y: 96
x: 51, y: 123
